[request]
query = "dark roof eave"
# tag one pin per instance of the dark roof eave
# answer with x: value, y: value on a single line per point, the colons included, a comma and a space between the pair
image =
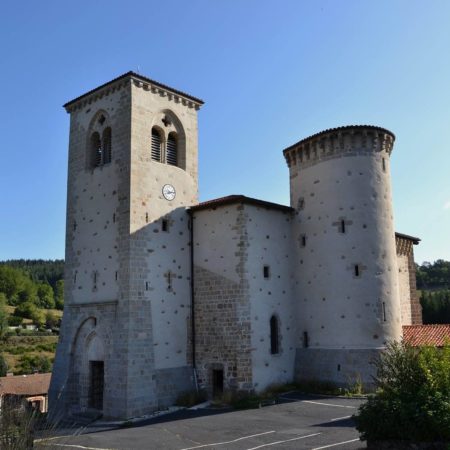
x: 140, y: 77
x: 223, y: 201
x: 414, y: 239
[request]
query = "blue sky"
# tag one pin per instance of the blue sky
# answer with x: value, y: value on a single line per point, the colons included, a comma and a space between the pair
x: 270, y: 72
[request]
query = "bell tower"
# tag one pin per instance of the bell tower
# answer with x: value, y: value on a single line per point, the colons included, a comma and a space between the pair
x: 123, y: 348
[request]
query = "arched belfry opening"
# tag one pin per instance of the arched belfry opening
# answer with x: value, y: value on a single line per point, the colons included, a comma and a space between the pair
x: 168, y: 140
x: 99, y: 146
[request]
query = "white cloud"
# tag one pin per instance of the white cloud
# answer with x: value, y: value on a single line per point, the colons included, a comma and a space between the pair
x: 447, y: 205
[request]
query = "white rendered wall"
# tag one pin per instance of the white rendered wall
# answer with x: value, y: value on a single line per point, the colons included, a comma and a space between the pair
x: 158, y: 252
x: 404, y: 289
x: 335, y: 308
x: 270, y: 243
x: 93, y: 199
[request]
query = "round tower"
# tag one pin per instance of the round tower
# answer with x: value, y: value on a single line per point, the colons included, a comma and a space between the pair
x: 347, y: 290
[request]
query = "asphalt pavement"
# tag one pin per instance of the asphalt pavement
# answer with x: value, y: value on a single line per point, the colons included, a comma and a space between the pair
x: 297, y: 422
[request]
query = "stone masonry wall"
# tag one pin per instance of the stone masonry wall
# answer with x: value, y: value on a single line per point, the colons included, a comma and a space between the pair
x: 222, y: 307
x: 405, y: 254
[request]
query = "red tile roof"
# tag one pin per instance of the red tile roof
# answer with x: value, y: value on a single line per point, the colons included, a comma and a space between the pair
x: 435, y: 335
x: 209, y: 204
x: 25, y: 384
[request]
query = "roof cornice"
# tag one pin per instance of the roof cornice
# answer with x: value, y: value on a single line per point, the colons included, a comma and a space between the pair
x: 140, y: 81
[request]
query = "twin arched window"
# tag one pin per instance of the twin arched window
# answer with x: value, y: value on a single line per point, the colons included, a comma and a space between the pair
x: 164, y: 153
x: 100, y: 144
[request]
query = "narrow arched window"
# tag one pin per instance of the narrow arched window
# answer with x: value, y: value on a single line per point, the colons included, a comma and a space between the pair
x: 96, y: 150
x: 106, y: 145
x: 156, y: 145
x: 274, y: 337
x: 172, y: 150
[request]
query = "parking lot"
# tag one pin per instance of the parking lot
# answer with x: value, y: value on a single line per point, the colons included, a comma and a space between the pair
x: 298, y: 422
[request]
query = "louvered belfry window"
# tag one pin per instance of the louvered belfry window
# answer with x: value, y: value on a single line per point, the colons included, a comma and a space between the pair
x: 96, y: 150
x: 172, y: 151
x: 156, y: 145
x: 106, y: 145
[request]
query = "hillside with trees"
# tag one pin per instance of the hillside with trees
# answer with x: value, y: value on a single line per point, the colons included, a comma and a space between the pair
x: 31, y: 303
x: 433, y: 282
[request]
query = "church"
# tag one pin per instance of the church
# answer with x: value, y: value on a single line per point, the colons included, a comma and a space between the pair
x: 165, y: 295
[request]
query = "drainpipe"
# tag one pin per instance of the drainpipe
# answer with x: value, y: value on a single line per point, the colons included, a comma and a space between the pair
x: 191, y: 223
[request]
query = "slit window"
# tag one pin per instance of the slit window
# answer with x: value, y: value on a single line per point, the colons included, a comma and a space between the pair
x: 383, y: 163
x: 274, y: 336
x: 164, y: 225
x: 266, y: 271
x: 305, y: 339
x: 342, y: 226
x: 303, y: 240
x: 357, y: 271
x: 172, y: 150
x: 384, y: 311
x: 156, y: 145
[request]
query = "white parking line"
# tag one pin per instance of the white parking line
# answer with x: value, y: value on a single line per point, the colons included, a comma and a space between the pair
x: 319, y: 403
x: 335, y: 445
x: 282, y: 442
x: 81, y: 446
x: 229, y: 442
x: 340, y: 418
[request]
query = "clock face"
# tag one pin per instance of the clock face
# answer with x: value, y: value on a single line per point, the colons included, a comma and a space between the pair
x: 168, y: 191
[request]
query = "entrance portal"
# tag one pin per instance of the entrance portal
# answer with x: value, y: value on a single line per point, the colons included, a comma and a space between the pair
x: 217, y: 382
x: 97, y: 375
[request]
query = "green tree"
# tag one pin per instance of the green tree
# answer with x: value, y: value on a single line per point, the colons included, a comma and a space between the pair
x: 3, y: 315
x: 59, y: 294
x: 411, y: 402
x: 3, y: 366
x: 51, y: 320
x: 45, y: 296
x: 29, y: 310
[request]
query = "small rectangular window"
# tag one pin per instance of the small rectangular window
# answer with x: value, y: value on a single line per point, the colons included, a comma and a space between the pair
x: 342, y: 226
x: 357, y: 271
x: 117, y: 275
x: 114, y: 218
x: 303, y: 240
x: 383, y: 162
x: 146, y: 285
x: 164, y: 225
x: 384, y: 312
x: 266, y: 271
x: 305, y: 339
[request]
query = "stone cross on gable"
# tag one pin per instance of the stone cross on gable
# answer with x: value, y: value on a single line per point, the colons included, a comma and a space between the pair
x: 169, y: 277
x: 166, y: 121
x: 342, y: 224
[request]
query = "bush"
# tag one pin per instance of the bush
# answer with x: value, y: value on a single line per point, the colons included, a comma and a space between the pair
x: 412, y: 402
x: 14, y: 321
x: 31, y: 364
